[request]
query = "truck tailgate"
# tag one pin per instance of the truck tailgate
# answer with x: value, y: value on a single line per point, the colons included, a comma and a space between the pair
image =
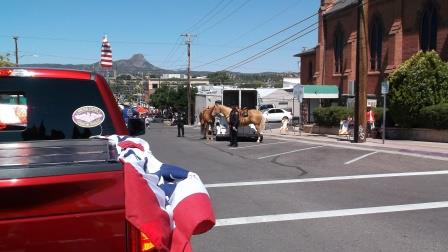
x: 61, y: 196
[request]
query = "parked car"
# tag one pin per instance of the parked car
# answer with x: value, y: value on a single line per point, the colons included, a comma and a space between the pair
x: 276, y: 114
x: 266, y: 107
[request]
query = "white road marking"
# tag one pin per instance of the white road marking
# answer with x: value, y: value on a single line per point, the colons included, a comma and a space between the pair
x: 358, y: 147
x: 330, y: 214
x: 359, y: 158
x: 257, y: 145
x: 288, y: 152
x: 321, y: 179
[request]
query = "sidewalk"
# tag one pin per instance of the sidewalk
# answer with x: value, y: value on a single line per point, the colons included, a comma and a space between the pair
x: 406, y: 146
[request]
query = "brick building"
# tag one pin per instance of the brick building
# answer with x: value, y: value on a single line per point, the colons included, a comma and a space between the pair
x: 397, y: 29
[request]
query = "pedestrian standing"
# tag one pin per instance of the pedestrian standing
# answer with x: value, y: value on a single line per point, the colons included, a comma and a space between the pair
x: 370, y: 118
x: 147, y: 121
x: 180, y: 124
x: 284, y: 127
x: 234, y: 122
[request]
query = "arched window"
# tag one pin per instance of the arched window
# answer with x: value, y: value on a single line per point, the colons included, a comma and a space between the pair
x: 428, y: 30
x: 338, y: 49
x: 376, y: 44
x: 310, y: 71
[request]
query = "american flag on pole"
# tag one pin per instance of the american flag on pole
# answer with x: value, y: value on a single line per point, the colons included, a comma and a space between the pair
x: 106, y: 54
x: 165, y: 202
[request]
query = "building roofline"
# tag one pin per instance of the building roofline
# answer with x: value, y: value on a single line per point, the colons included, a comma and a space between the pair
x: 345, y: 4
x: 306, y: 52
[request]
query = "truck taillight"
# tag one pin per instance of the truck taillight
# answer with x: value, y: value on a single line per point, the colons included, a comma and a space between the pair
x: 5, y: 72
x: 139, y: 242
x: 16, y: 73
x: 145, y: 243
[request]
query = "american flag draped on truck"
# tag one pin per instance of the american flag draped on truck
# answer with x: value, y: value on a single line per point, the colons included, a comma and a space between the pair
x: 167, y: 203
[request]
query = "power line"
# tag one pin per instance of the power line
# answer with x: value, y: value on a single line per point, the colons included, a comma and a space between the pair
x: 282, y: 43
x: 268, y: 37
x: 178, y: 43
x: 270, y: 49
x: 205, y: 16
x: 99, y: 41
x: 267, y: 20
x: 221, y: 9
x: 225, y: 17
x: 260, y: 41
x: 173, y: 50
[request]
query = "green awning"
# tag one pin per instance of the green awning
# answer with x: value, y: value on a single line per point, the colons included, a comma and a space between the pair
x: 320, y: 91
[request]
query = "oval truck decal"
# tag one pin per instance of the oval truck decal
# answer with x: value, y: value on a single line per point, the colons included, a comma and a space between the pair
x: 88, y: 116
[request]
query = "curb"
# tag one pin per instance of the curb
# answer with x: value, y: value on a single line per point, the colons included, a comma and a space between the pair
x: 374, y: 146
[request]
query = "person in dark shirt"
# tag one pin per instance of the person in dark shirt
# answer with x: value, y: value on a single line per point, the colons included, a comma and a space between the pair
x: 234, y: 122
x: 128, y: 112
x: 180, y: 123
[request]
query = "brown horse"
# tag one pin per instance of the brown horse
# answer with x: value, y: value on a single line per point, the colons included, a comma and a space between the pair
x: 206, y: 119
x: 254, y: 116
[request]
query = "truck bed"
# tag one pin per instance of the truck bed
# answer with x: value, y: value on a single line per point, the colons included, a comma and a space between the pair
x: 56, y: 157
x: 61, y: 195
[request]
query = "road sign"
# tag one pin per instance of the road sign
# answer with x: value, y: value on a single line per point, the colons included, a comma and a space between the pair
x: 385, y: 87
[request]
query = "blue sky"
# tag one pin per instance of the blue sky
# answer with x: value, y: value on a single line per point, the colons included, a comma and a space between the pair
x: 69, y: 32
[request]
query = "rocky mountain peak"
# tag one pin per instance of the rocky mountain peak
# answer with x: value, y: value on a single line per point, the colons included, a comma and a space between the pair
x: 138, y: 60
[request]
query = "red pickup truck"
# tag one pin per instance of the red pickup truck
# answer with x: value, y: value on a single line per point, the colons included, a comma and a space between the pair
x: 61, y: 189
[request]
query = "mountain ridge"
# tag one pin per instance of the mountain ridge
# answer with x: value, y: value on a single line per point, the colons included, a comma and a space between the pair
x: 137, y: 63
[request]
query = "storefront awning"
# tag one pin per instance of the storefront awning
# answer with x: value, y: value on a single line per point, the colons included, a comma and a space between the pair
x: 320, y: 91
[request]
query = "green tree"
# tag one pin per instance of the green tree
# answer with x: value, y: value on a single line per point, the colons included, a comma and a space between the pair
x: 4, y: 61
x: 254, y: 84
x: 161, y: 97
x: 419, y: 82
x: 167, y: 96
x: 220, y: 77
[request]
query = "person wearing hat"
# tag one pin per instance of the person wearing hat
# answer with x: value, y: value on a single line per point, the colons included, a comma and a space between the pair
x: 234, y: 121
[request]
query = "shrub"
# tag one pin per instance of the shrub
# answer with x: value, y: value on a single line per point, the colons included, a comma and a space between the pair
x: 331, y: 116
x: 419, y: 82
x: 379, y: 117
x: 378, y: 112
x: 435, y: 116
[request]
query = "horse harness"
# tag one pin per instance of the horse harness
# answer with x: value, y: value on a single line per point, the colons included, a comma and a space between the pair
x: 244, y: 112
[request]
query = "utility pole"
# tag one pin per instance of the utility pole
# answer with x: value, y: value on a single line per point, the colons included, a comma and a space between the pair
x: 188, y: 43
x: 361, y: 74
x: 17, y: 50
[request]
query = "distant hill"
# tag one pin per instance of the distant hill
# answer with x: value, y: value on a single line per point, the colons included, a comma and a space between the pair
x: 137, y: 63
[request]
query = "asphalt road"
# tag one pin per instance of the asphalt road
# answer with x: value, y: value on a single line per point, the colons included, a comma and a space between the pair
x: 290, y: 196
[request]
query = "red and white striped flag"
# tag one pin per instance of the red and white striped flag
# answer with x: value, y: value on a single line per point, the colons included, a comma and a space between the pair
x: 167, y: 203
x: 106, y: 54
